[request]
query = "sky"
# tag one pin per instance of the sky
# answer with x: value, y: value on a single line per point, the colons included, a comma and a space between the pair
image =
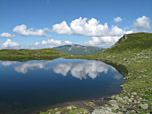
x: 33, y: 24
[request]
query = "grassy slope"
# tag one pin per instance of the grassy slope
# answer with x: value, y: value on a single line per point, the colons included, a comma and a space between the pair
x: 135, y: 54
x: 26, y: 54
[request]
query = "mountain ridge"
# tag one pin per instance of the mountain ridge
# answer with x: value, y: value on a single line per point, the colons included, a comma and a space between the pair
x: 76, y: 49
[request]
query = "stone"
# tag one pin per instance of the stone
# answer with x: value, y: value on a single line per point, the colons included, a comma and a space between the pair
x: 59, y: 112
x: 144, y: 106
x: 113, y: 102
x: 134, y: 93
x: 119, y: 99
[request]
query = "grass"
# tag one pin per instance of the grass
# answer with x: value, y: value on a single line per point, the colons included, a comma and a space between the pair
x: 67, y: 110
x: 29, y: 54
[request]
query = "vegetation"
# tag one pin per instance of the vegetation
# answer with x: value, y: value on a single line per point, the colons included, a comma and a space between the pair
x: 78, y: 49
x: 67, y: 110
x: 29, y: 54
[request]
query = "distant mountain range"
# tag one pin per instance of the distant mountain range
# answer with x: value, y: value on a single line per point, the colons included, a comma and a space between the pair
x: 76, y: 49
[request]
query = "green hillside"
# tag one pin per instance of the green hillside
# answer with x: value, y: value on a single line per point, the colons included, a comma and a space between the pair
x: 78, y: 49
x: 29, y: 54
x: 134, y: 52
x: 132, y: 56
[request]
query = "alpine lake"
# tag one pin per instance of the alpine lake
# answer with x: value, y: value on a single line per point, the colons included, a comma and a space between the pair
x: 26, y: 87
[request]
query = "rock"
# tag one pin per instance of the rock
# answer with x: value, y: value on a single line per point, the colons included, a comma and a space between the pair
x: 125, y: 98
x: 144, y: 106
x: 132, y: 112
x: 134, y: 93
x: 119, y: 98
x: 115, y: 106
x: 119, y: 112
x: 113, y: 102
x: 69, y: 107
x: 59, y: 112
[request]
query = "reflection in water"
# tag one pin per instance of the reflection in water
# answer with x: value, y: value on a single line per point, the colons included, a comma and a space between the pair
x: 7, y: 63
x: 29, y: 86
x: 23, y: 67
x: 81, y: 70
x: 78, y: 70
x: 117, y: 77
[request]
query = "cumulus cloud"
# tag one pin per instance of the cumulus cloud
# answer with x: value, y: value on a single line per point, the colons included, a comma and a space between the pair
x: 62, y: 28
x: 6, y: 35
x: 37, y: 43
x: 9, y: 44
x: 22, y: 30
x: 104, y: 42
x: 117, y: 19
x: 51, y: 42
x: 91, y: 28
x: 100, y: 33
x: 142, y: 24
x: 67, y: 42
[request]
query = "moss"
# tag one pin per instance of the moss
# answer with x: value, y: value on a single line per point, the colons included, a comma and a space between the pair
x: 90, y: 104
x: 78, y: 111
x: 71, y: 109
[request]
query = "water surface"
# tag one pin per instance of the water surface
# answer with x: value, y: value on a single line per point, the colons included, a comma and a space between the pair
x: 29, y: 86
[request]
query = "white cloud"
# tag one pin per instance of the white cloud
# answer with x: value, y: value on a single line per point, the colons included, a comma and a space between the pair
x: 22, y: 30
x: 116, y: 31
x: 91, y: 28
x: 9, y: 44
x: 52, y: 42
x: 67, y: 42
x: 100, y: 33
x: 6, y: 35
x: 104, y: 42
x: 62, y: 28
x: 117, y: 19
x: 37, y: 43
x: 142, y: 24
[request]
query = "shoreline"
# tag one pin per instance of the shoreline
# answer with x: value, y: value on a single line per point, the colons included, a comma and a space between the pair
x: 78, y: 103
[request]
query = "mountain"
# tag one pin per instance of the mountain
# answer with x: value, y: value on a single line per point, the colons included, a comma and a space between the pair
x: 78, y: 49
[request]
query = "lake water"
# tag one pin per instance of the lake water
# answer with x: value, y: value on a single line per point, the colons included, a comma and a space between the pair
x: 32, y: 85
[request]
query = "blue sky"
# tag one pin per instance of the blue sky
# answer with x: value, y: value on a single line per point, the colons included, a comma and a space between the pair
x: 59, y: 22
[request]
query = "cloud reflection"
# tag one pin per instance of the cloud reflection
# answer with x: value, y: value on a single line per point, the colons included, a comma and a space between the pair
x: 82, y: 69
x: 24, y: 67
x: 7, y: 63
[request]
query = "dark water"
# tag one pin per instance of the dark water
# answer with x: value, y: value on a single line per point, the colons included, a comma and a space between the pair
x: 28, y: 86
